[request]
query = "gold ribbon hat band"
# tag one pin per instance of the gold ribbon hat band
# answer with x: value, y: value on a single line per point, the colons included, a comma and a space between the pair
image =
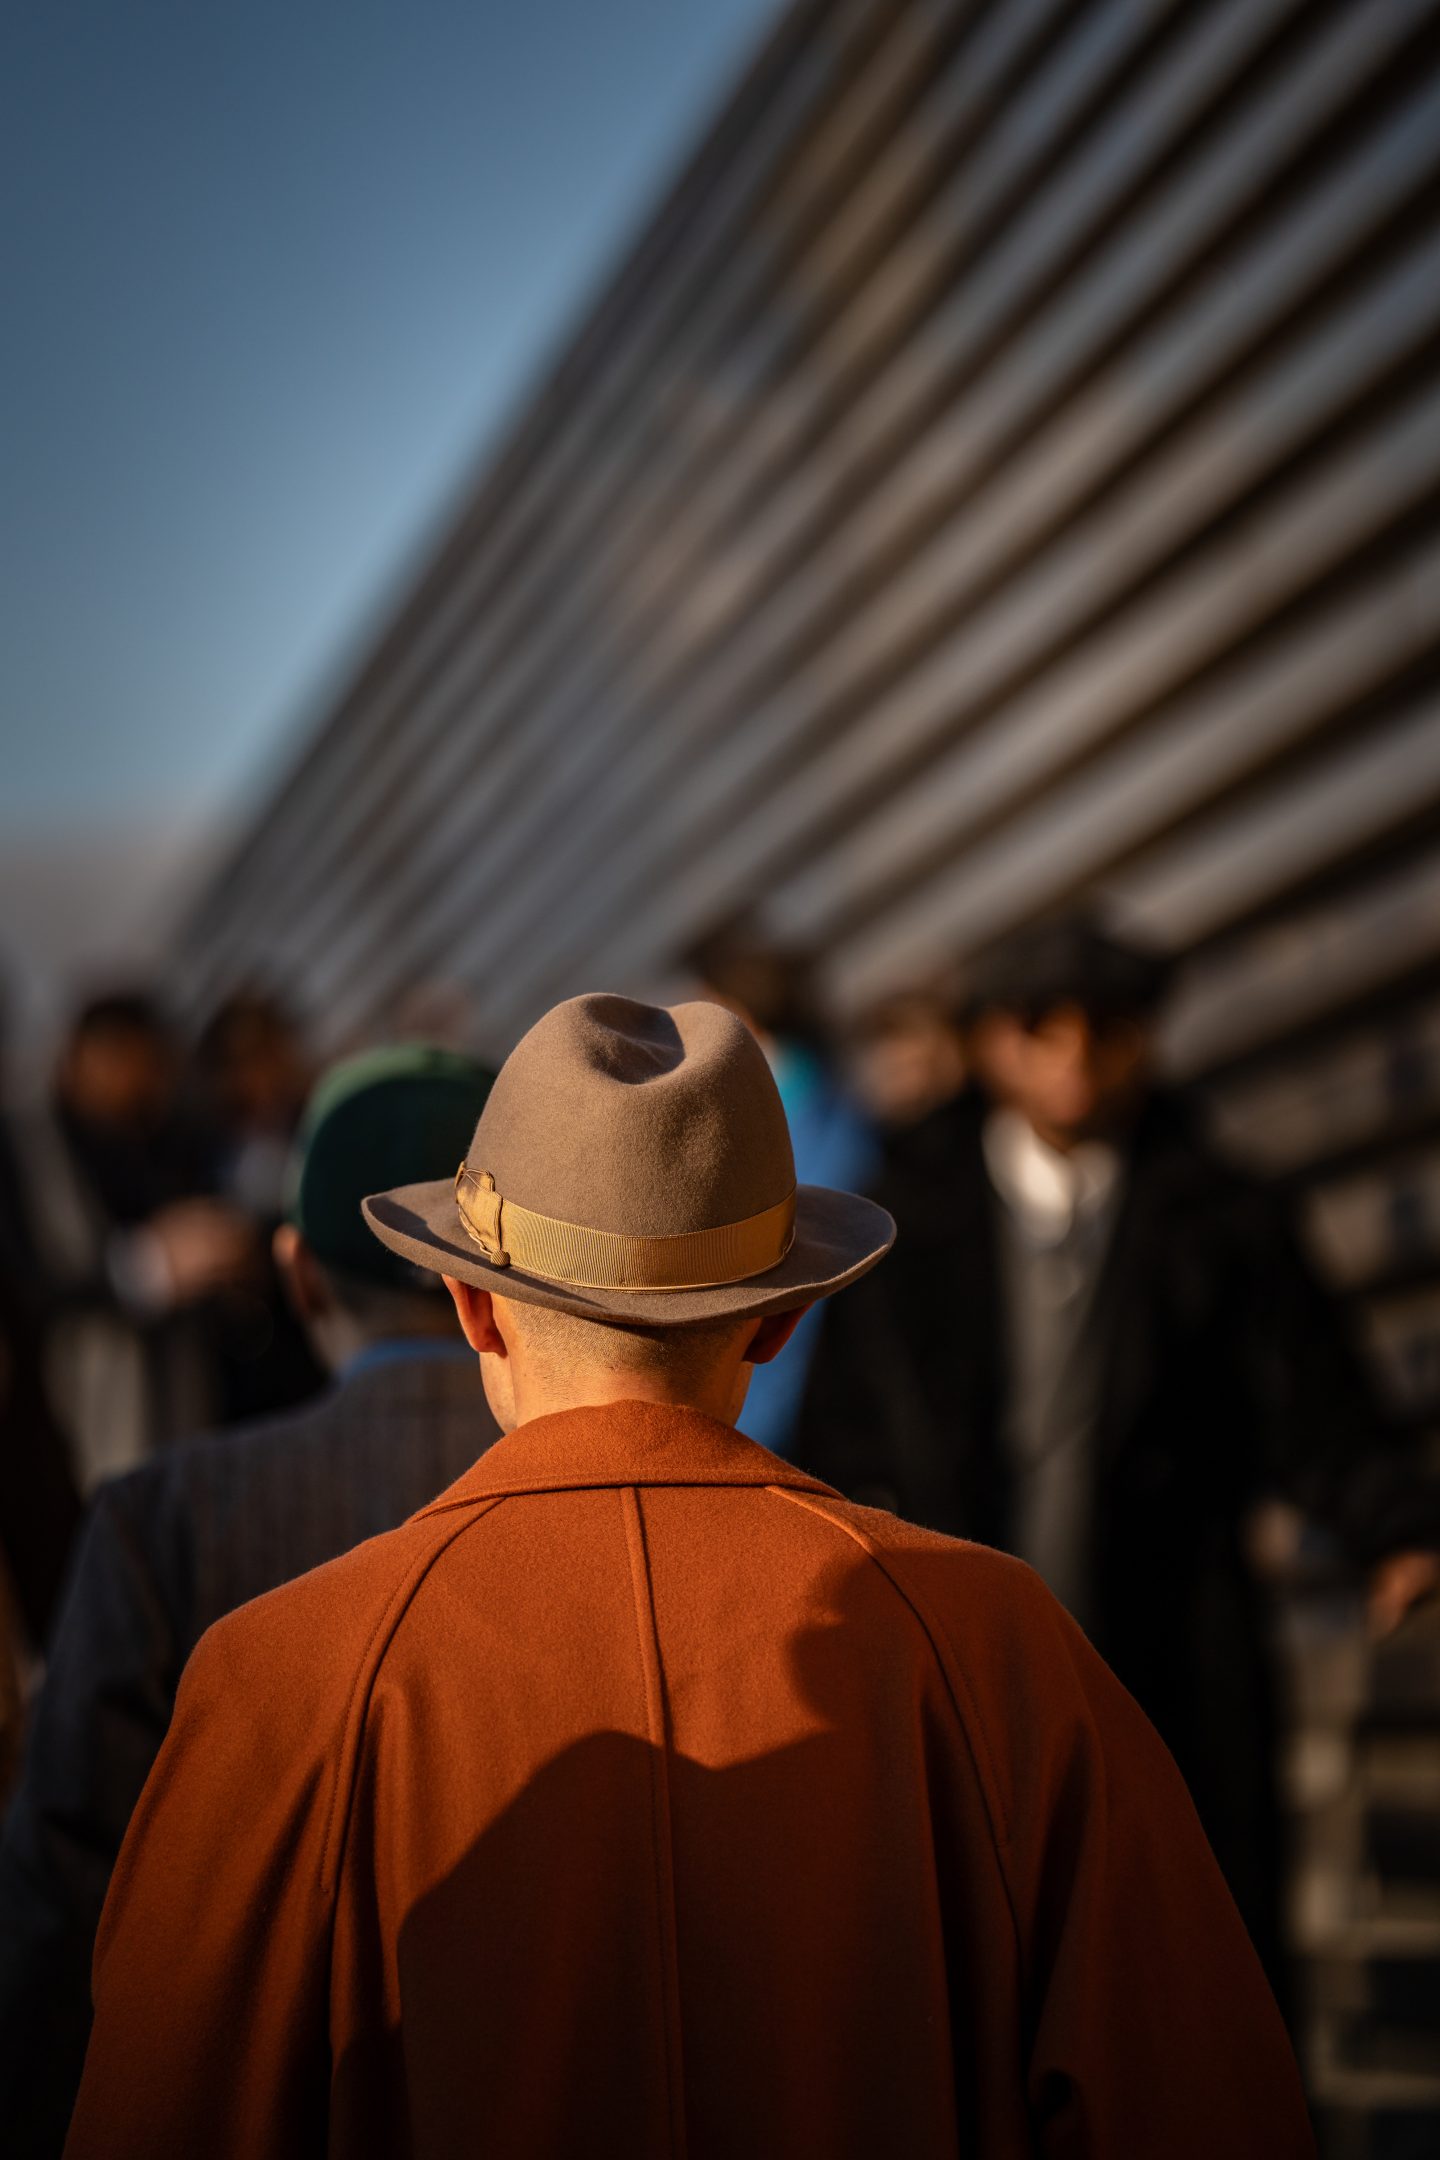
x: 513, y: 1236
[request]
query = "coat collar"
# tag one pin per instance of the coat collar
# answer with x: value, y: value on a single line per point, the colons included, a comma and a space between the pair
x: 624, y: 1443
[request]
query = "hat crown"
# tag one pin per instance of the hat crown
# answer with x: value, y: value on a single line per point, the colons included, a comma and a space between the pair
x: 637, y: 1119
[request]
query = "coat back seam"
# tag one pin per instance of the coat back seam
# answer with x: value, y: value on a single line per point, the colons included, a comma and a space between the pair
x: 658, y: 1737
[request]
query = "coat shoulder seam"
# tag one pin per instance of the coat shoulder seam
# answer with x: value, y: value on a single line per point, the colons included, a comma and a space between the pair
x: 367, y: 1669
x: 957, y: 1686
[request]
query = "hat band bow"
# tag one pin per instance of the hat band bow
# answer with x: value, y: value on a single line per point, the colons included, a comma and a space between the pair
x: 513, y: 1236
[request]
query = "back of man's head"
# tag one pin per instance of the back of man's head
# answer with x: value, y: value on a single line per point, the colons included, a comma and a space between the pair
x: 398, y: 1114
x: 549, y: 1359
x: 561, y: 1344
x: 632, y: 1169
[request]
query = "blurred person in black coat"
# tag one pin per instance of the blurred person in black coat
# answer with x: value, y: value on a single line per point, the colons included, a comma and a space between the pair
x: 208, y: 1525
x: 1098, y: 1345
x: 39, y: 1506
x: 109, y: 1224
x: 249, y: 1079
x: 39, y: 1502
x: 39, y: 1515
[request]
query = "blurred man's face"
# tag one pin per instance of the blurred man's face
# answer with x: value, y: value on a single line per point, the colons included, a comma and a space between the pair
x: 906, y: 1067
x: 120, y: 1077
x: 262, y: 1081
x: 1073, y: 1075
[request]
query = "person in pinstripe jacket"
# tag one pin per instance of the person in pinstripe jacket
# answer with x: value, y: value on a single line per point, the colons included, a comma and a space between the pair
x: 206, y: 1526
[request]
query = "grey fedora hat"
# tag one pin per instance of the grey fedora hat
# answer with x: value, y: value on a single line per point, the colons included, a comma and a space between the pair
x: 633, y: 1164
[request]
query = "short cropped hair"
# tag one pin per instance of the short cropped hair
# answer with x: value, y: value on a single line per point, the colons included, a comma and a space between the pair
x: 563, y: 1342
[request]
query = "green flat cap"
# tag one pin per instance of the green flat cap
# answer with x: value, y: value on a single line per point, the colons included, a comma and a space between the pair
x: 387, y: 1117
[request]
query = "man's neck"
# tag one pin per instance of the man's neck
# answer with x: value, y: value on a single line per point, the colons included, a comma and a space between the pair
x: 719, y: 1396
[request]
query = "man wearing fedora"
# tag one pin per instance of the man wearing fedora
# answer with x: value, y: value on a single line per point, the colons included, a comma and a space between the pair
x: 640, y: 1795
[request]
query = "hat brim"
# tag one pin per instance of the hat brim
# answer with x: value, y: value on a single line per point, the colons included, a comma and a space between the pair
x: 838, y: 1237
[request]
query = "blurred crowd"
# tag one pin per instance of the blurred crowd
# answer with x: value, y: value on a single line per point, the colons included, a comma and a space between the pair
x: 1098, y: 1344
x: 138, y: 1297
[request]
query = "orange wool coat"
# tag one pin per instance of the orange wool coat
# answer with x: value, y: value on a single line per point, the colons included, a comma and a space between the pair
x: 641, y: 1796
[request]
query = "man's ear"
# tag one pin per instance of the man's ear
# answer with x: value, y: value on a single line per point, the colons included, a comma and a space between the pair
x: 772, y: 1332
x: 476, y: 1315
x: 301, y: 1274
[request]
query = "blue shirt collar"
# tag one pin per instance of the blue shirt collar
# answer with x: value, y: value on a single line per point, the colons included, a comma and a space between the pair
x: 403, y: 1349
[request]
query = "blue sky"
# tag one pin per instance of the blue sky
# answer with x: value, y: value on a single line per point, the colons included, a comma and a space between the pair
x: 273, y: 274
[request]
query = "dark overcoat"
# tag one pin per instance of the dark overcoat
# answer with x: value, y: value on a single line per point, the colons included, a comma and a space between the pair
x: 643, y: 1797
x: 1225, y: 1378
